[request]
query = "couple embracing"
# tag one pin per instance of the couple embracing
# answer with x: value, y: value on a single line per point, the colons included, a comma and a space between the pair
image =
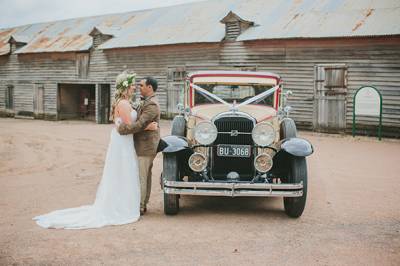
x: 125, y: 186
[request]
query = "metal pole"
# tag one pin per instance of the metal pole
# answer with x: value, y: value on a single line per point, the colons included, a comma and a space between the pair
x: 354, y: 114
x: 380, y: 120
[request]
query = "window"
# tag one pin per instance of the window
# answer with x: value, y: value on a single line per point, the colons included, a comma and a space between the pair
x: 231, y: 93
x: 10, y: 97
x: 179, y: 75
x: 334, y: 77
x: 331, y: 79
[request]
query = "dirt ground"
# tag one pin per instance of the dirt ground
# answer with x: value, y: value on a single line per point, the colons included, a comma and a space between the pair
x: 352, y: 215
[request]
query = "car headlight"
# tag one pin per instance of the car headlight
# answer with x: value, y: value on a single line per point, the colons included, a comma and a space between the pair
x: 197, y: 162
x: 205, y: 133
x: 263, y: 163
x: 263, y: 134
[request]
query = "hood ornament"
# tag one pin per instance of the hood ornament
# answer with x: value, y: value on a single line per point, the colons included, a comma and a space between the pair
x: 234, y: 107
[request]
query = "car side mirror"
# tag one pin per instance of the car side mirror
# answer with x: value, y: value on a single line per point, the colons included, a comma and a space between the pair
x: 287, y: 110
x: 180, y: 108
x: 286, y: 96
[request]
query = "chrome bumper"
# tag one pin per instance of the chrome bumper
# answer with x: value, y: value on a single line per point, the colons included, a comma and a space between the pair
x: 233, y: 189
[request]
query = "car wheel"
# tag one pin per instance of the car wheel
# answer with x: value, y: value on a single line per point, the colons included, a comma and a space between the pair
x: 294, y: 207
x: 170, y: 173
x: 288, y: 128
x: 178, y: 126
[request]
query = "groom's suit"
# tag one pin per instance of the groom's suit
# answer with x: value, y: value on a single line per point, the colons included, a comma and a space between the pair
x: 146, y: 142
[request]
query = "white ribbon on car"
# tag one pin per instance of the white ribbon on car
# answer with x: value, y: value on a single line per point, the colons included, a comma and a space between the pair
x: 260, y: 96
x: 209, y: 94
x: 256, y: 98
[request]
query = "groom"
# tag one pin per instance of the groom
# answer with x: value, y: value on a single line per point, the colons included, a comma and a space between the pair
x: 146, y: 141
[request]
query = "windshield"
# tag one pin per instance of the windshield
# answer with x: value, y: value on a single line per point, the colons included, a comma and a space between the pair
x: 231, y: 93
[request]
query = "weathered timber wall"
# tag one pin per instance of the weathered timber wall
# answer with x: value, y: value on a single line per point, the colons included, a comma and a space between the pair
x: 369, y: 61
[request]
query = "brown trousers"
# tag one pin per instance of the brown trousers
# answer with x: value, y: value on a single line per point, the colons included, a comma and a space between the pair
x: 145, y: 166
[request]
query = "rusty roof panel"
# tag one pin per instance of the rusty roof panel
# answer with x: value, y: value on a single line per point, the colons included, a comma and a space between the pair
x: 200, y: 23
x: 273, y: 19
x: 187, y: 23
x: 322, y: 19
x: 4, y: 37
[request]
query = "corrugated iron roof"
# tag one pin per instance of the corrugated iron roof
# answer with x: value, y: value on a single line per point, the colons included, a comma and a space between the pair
x: 200, y: 23
x: 321, y: 19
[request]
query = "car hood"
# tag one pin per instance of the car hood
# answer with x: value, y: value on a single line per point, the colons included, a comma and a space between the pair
x: 208, y: 111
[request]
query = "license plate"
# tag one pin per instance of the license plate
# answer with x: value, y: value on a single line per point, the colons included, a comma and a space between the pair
x: 233, y: 150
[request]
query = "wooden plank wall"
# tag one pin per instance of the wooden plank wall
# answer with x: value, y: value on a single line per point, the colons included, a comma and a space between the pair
x: 370, y: 61
x: 154, y: 61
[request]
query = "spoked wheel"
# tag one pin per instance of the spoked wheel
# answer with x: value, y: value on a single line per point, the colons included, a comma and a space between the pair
x: 294, y: 207
x: 170, y: 173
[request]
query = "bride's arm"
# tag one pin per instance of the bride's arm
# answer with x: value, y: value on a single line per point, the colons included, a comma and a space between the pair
x: 123, y: 110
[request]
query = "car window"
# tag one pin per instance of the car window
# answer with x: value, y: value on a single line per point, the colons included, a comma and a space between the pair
x: 230, y: 93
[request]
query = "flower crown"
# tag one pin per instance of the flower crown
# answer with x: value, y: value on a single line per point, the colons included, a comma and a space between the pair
x: 124, y: 80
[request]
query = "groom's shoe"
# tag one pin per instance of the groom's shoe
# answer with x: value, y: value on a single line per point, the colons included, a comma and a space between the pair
x: 143, y: 210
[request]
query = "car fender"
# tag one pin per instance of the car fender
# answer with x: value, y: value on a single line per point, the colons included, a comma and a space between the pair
x: 297, y: 147
x: 171, y: 144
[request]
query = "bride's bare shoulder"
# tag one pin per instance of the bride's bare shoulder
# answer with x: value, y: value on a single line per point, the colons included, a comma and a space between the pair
x: 124, y: 105
x: 123, y: 110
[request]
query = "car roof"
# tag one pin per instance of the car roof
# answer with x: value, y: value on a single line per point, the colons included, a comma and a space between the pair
x: 233, y: 73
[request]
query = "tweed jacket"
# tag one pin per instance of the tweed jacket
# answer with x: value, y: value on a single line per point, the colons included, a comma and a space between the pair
x: 146, y: 141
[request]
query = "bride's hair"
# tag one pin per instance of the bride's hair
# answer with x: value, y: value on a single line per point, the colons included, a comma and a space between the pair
x: 123, y: 81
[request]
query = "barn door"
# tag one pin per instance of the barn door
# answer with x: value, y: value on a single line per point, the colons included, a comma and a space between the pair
x: 38, y: 100
x: 10, y: 97
x: 330, y: 89
x: 175, y: 89
x: 104, y: 103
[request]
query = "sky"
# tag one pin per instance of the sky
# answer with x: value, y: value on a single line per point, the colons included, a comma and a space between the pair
x: 22, y: 12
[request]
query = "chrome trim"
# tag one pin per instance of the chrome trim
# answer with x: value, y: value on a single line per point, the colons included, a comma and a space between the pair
x: 196, y: 128
x: 261, y: 124
x: 234, y: 114
x: 238, y: 133
x: 233, y: 189
x: 263, y: 154
x: 203, y: 157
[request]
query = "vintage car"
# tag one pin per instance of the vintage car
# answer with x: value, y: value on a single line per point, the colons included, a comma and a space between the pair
x: 234, y: 138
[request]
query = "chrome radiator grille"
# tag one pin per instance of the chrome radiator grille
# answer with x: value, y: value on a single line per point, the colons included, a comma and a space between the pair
x: 228, y: 127
x: 233, y: 130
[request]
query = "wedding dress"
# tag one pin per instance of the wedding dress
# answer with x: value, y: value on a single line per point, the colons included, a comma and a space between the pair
x: 118, y: 195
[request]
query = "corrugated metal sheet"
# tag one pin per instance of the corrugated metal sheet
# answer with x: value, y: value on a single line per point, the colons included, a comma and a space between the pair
x: 190, y: 23
x: 70, y: 35
x: 320, y: 19
x: 200, y: 23
x: 23, y: 33
x: 4, y: 37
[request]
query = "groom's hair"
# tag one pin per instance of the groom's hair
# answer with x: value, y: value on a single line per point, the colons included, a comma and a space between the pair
x: 153, y: 82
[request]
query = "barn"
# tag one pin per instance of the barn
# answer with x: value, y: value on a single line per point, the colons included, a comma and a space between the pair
x: 323, y: 50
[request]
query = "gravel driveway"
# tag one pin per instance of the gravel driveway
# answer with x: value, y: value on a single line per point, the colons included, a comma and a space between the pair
x: 352, y: 216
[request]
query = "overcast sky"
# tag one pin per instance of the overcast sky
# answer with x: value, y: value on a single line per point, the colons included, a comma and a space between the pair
x: 22, y: 12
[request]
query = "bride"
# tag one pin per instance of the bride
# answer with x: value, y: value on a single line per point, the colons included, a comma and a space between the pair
x: 118, y: 194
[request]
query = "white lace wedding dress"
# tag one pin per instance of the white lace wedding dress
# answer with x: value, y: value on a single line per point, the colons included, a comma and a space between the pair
x: 118, y: 195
